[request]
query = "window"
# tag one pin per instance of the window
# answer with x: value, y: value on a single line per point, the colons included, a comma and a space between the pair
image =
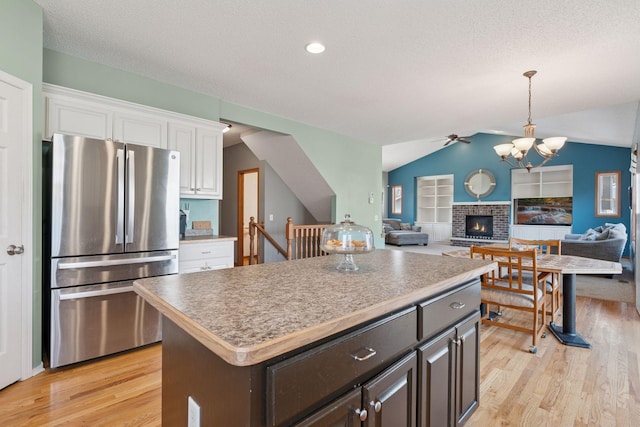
x: 396, y: 199
x: 608, y: 194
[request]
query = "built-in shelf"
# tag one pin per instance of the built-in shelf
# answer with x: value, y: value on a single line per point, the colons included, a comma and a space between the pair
x: 433, y: 205
x: 548, y: 181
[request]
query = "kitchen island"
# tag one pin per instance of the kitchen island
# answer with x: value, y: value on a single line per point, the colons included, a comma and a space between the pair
x: 298, y: 342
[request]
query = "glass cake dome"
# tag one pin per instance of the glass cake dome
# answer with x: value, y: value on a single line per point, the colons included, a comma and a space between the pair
x: 347, y: 238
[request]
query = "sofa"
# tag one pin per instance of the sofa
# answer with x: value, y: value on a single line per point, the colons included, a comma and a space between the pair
x: 398, y: 233
x: 606, y: 242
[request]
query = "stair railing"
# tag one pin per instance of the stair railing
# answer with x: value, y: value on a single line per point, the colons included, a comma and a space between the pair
x: 303, y: 240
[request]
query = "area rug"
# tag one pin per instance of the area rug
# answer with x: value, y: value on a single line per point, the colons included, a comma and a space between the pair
x: 620, y: 288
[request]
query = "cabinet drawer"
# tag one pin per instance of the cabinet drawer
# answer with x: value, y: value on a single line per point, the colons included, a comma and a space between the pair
x: 205, y: 265
x: 195, y: 251
x: 435, y: 315
x: 299, y: 384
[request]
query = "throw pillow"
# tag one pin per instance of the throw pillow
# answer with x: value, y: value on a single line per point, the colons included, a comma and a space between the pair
x: 405, y: 226
x: 604, y: 235
x: 589, y: 235
x: 416, y: 228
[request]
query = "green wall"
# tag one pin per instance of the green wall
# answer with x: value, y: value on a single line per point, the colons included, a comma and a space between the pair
x: 21, y: 56
x: 351, y: 167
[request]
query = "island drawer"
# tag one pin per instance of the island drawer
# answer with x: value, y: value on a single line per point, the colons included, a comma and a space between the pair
x: 300, y: 383
x: 437, y: 314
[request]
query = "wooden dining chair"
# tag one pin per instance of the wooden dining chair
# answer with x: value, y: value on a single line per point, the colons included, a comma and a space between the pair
x: 552, y: 280
x: 513, y: 290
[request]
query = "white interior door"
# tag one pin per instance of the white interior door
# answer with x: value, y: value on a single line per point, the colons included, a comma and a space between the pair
x: 15, y: 229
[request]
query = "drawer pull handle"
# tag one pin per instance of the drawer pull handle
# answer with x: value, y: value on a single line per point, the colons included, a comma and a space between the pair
x: 377, y: 406
x: 206, y: 252
x: 361, y: 413
x: 369, y: 354
x: 457, y: 305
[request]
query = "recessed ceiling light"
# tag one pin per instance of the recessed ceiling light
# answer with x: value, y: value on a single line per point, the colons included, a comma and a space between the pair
x: 315, y: 47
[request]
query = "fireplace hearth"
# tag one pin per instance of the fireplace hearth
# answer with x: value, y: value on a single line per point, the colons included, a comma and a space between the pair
x: 479, y: 227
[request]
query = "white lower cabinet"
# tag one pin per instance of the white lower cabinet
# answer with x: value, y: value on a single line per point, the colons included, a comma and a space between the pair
x: 206, y: 255
x: 438, y: 232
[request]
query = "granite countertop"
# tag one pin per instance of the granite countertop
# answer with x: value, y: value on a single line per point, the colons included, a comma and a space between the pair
x: 250, y: 314
x: 207, y: 238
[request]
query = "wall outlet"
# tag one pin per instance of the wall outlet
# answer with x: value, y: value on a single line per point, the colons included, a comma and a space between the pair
x: 194, y: 413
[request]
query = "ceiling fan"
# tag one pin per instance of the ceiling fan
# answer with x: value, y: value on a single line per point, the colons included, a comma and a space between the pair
x: 453, y: 138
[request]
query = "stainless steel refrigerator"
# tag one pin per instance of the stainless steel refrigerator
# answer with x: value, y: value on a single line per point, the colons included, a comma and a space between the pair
x: 112, y: 216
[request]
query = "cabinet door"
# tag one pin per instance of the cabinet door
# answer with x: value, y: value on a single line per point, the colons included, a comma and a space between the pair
x: 140, y: 129
x: 390, y: 398
x: 468, y: 368
x: 343, y: 412
x: 209, y: 163
x: 436, y: 392
x: 76, y: 117
x: 183, y: 139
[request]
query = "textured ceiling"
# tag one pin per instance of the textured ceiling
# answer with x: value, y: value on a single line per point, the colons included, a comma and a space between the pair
x: 394, y: 72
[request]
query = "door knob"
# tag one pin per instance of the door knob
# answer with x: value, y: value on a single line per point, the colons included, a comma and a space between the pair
x: 15, y: 250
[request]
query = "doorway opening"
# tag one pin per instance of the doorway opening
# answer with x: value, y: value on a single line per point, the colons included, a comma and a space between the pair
x: 248, y: 202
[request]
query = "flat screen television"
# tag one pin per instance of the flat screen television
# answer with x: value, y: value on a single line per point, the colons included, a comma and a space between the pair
x: 544, y: 211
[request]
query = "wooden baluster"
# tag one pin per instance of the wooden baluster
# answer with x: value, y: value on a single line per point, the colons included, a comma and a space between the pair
x: 289, y: 234
x: 252, y: 233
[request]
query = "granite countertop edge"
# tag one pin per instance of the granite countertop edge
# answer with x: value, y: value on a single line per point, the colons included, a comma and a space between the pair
x: 174, y: 297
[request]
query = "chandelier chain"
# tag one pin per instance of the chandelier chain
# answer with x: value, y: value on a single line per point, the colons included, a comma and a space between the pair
x: 529, y: 100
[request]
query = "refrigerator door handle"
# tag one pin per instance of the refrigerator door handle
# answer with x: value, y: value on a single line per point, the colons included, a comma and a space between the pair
x: 131, y: 202
x: 112, y: 262
x: 102, y: 292
x: 120, y: 196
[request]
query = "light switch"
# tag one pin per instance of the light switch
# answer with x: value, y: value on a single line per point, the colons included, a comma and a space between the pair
x: 271, y: 217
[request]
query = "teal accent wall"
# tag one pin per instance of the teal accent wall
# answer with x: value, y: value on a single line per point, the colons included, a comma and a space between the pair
x: 460, y: 159
x: 202, y: 210
x: 21, y: 56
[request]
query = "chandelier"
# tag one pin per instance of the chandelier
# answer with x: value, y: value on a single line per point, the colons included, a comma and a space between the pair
x: 519, y: 148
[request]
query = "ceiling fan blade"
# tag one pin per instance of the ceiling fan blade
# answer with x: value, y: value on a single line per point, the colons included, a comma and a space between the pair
x: 464, y: 140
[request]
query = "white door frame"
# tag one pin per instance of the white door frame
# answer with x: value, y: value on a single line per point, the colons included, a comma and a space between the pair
x: 26, y: 304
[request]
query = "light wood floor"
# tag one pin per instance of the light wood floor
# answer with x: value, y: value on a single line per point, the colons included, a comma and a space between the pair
x: 558, y: 386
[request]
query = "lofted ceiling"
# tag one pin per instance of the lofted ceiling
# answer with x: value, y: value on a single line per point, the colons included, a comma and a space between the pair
x: 401, y: 74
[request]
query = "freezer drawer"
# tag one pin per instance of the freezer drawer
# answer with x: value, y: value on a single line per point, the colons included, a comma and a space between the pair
x: 88, y: 270
x: 96, y: 320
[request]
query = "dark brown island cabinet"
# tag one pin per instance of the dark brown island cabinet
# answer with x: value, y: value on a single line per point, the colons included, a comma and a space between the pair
x: 416, y: 366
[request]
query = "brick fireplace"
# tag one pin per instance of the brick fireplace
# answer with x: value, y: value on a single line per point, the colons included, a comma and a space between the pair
x: 498, y: 211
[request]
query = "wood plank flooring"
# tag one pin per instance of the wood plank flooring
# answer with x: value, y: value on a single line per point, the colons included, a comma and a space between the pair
x: 558, y: 386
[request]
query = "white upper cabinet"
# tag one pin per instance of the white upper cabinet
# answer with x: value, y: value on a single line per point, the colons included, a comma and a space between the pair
x: 199, y: 141
x: 75, y: 116
x: 200, y: 150
x: 140, y: 129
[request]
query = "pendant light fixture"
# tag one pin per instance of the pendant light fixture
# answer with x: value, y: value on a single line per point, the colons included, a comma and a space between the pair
x: 519, y: 148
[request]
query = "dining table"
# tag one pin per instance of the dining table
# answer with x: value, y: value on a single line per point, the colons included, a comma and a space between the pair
x: 569, y: 266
